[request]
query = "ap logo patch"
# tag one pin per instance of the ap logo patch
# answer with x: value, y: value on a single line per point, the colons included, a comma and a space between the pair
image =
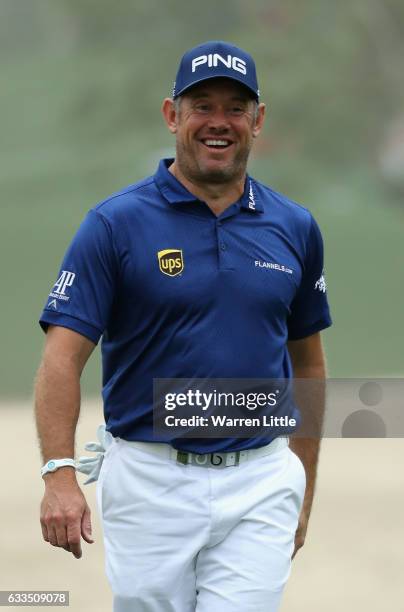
x: 171, y: 261
x: 65, y: 280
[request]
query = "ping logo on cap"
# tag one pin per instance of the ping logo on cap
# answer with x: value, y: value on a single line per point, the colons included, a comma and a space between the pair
x: 171, y: 261
x: 212, y: 60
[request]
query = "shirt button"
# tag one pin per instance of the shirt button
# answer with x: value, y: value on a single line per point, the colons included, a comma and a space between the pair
x: 219, y: 223
x: 223, y: 246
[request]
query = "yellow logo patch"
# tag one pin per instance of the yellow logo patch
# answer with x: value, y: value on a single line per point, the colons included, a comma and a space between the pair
x: 171, y: 261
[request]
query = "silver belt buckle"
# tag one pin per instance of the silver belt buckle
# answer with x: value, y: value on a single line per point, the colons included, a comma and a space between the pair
x: 212, y: 460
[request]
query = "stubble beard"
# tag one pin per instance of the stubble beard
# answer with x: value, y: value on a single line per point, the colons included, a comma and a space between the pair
x: 196, y: 173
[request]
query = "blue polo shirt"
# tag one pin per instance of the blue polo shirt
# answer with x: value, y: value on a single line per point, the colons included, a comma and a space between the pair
x: 176, y: 292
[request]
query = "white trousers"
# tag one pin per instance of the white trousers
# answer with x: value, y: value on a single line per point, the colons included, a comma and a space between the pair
x: 184, y: 538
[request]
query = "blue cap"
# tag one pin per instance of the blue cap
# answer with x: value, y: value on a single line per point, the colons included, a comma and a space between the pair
x: 213, y: 59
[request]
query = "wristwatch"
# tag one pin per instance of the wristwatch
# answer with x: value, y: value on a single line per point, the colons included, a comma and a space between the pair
x: 54, y: 464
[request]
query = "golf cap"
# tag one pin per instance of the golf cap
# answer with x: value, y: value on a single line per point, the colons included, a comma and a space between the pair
x: 213, y: 59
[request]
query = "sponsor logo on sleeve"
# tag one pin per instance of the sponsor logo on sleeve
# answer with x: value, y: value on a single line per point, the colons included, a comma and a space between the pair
x: 171, y: 261
x: 321, y: 285
x: 65, y: 280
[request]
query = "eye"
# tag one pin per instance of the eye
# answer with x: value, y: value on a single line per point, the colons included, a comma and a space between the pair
x: 202, y: 107
x: 237, y: 110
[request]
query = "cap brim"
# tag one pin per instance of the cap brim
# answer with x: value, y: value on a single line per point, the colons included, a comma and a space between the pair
x: 218, y: 76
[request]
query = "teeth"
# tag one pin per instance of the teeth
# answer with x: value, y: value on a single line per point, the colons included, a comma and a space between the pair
x: 216, y: 143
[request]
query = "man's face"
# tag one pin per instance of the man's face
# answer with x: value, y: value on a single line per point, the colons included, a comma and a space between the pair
x: 215, y: 124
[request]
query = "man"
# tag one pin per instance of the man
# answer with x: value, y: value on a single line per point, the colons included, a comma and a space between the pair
x: 196, y: 272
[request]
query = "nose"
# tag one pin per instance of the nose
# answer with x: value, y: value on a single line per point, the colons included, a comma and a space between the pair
x: 218, y: 119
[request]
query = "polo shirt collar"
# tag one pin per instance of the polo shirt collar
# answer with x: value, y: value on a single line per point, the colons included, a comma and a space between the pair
x: 175, y: 192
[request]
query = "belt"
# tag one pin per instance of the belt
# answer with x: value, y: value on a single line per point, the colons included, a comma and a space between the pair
x: 210, y: 460
x: 92, y: 465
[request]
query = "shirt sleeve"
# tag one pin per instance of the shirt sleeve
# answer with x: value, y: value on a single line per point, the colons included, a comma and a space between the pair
x: 309, y: 310
x: 82, y: 296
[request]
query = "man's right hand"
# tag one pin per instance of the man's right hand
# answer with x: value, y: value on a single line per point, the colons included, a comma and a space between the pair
x: 65, y: 515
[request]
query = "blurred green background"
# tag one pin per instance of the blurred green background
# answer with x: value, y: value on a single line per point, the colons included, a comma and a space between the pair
x: 81, y: 85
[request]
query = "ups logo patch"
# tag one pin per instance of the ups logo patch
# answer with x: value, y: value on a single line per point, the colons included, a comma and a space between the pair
x: 171, y: 261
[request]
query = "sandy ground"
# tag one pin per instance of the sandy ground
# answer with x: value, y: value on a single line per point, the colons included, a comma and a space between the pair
x: 353, y: 558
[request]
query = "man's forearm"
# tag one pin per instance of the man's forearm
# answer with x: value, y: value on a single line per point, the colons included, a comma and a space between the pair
x: 57, y: 407
x: 307, y: 444
x: 308, y: 450
x: 65, y: 515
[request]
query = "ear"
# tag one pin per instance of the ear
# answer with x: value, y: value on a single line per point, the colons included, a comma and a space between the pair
x: 259, y: 121
x: 169, y: 114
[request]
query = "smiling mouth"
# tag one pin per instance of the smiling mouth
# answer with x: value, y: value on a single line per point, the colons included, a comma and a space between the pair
x: 216, y: 143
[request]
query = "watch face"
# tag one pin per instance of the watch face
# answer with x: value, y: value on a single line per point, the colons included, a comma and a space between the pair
x: 51, y: 465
